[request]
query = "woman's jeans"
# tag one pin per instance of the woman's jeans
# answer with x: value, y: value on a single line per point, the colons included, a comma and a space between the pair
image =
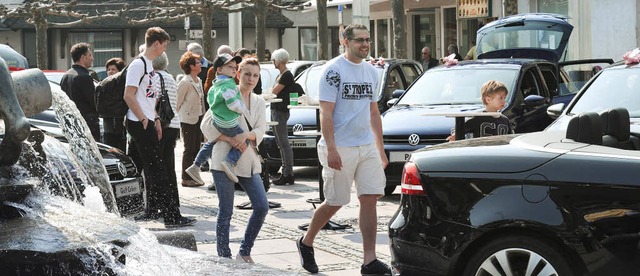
x: 225, y: 189
x: 282, y: 140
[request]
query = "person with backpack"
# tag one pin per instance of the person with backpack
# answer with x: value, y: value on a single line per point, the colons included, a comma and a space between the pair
x: 78, y: 84
x: 143, y: 124
x: 280, y: 113
x: 190, y: 106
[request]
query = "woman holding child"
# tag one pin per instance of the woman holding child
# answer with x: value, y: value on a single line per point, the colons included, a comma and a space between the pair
x: 247, y: 168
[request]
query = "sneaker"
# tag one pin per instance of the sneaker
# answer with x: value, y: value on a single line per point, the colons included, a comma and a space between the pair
x: 194, y: 172
x: 212, y: 187
x: 226, y: 167
x: 180, y: 222
x: 375, y: 267
x: 205, y: 167
x: 191, y: 183
x: 245, y: 259
x: 307, y: 257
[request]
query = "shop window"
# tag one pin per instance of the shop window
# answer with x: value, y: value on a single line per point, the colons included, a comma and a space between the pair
x: 308, y: 37
x: 105, y: 45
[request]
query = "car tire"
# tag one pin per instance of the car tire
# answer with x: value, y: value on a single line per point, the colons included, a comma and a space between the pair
x: 388, y: 190
x: 515, y: 252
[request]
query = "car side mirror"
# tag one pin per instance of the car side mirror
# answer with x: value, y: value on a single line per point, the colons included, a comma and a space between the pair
x: 555, y: 110
x: 397, y: 93
x: 534, y: 100
x: 391, y: 102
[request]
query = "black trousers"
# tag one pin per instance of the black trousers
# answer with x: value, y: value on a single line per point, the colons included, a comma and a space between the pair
x: 93, y: 121
x: 161, y: 193
x: 167, y: 152
x: 114, y: 132
x: 191, y: 137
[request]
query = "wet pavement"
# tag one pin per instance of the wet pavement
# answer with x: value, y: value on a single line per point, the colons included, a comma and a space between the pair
x: 338, y: 252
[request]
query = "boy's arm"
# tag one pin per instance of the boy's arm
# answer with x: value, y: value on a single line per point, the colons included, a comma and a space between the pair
x: 232, y: 100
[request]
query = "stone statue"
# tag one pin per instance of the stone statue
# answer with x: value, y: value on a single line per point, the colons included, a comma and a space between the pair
x: 25, y: 93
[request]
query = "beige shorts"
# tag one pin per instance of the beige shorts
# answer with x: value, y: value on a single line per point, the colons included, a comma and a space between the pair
x: 361, y: 164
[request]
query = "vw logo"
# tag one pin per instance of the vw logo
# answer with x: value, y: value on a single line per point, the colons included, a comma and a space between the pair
x: 122, y: 169
x: 298, y: 127
x: 414, y: 139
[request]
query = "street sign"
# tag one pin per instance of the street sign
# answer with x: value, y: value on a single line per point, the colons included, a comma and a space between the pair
x: 186, y: 23
x: 198, y: 34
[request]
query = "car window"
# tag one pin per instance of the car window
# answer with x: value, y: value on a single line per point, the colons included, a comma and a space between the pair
x: 550, y: 79
x: 529, y: 84
x: 410, y: 74
x: 613, y: 88
x: 462, y: 86
x: 268, y: 77
x: 512, y: 38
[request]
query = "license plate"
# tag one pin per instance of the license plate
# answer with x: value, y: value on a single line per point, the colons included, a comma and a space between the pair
x: 399, y: 156
x: 302, y: 143
x: 126, y: 189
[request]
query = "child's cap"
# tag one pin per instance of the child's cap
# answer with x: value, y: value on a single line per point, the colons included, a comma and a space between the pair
x: 224, y: 59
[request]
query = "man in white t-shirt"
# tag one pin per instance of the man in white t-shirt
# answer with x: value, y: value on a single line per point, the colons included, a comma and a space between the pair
x: 351, y: 149
x: 143, y: 124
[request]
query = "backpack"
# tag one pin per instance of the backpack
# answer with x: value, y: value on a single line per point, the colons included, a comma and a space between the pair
x: 110, y: 94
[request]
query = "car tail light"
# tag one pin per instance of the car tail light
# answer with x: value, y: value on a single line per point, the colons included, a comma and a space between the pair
x: 411, y: 184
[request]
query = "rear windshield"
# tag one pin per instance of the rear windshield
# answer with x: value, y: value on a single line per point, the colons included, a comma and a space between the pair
x: 452, y: 87
x: 530, y: 36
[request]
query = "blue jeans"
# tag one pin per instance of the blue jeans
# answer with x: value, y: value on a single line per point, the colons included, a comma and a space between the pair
x: 225, y: 189
x: 234, y: 154
x: 204, y: 154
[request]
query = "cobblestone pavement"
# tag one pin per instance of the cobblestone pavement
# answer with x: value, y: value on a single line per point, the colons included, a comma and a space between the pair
x: 338, y: 252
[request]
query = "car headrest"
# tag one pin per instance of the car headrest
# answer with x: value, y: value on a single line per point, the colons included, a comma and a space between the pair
x: 615, y: 122
x: 585, y: 128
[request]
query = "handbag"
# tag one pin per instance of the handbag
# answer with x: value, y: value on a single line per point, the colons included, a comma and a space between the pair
x: 163, y: 108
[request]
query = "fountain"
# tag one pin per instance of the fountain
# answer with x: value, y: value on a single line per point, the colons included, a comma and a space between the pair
x: 46, y: 189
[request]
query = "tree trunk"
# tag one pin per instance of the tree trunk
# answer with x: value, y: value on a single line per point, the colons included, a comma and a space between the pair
x: 260, y: 13
x: 42, y: 53
x: 207, y: 41
x: 323, y: 28
x: 399, y: 29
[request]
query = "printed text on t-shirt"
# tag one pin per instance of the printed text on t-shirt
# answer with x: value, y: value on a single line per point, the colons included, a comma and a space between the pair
x: 357, y: 91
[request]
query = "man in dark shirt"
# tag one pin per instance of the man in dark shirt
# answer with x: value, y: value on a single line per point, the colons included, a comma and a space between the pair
x: 79, y: 86
x: 427, y: 61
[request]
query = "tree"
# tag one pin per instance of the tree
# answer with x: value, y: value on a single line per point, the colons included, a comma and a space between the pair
x: 399, y: 29
x: 38, y: 12
x: 323, y: 30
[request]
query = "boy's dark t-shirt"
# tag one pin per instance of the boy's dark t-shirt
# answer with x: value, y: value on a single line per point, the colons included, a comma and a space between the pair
x: 482, y: 126
x: 286, y: 79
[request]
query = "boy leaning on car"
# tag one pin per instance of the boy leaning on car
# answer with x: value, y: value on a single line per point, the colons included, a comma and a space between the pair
x: 351, y: 149
x: 494, y: 95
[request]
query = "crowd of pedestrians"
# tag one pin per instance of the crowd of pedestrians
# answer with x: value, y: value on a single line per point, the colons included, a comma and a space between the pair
x: 220, y: 118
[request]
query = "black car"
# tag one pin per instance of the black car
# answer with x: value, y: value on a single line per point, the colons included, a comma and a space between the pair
x: 564, y: 201
x: 506, y: 53
x: 394, y: 74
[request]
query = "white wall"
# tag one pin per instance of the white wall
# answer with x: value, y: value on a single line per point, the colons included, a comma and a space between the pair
x: 613, y: 28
